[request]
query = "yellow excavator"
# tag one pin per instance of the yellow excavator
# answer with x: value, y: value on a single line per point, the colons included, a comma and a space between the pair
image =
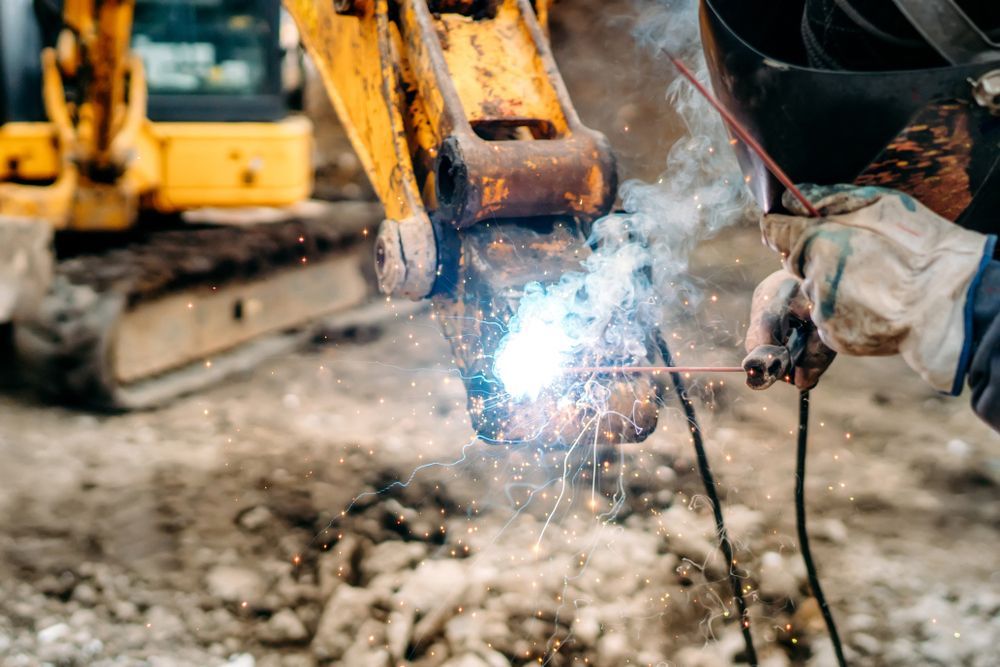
x: 136, y: 113
x: 455, y: 108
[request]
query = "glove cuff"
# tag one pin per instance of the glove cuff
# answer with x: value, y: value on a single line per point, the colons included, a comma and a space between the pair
x: 970, y: 307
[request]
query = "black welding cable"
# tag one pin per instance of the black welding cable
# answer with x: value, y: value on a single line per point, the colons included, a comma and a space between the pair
x: 800, y: 524
x: 709, y: 481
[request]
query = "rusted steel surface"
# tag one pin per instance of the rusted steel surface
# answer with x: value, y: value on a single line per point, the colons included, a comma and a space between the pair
x: 932, y: 158
x: 512, y: 144
x: 497, y: 262
x: 458, y: 113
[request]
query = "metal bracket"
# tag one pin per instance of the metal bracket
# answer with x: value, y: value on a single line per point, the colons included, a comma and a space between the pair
x: 986, y: 91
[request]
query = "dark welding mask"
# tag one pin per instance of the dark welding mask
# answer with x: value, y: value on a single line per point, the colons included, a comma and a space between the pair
x: 923, y: 115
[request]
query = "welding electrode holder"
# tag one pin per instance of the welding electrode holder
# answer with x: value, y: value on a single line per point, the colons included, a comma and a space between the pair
x: 767, y: 364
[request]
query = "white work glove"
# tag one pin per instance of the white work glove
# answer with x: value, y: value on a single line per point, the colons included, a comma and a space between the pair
x: 779, y: 307
x: 884, y: 275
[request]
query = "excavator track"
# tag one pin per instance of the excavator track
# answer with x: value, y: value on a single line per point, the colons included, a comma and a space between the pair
x: 177, y: 310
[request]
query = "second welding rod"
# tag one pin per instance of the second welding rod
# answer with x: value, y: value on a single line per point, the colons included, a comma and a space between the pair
x: 654, y: 369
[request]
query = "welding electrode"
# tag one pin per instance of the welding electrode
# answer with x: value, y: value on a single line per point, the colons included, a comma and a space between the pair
x: 653, y: 369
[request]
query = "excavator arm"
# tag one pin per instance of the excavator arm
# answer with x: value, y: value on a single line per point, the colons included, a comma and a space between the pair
x: 488, y: 179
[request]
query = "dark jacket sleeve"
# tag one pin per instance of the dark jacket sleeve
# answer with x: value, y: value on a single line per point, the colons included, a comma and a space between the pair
x: 984, y: 370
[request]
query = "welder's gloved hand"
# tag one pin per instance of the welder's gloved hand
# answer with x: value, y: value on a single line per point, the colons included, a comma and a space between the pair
x: 884, y: 275
x: 778, y: 308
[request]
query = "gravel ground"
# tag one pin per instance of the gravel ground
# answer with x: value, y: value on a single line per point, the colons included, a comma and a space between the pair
x: 332, y: 508
x: 298, y: 516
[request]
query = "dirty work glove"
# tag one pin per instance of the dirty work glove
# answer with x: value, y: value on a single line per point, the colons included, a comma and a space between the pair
x: 884, y: 275
x: 778, y: 308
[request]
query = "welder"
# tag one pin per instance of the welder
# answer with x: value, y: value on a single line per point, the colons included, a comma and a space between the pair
x: 898, y: 103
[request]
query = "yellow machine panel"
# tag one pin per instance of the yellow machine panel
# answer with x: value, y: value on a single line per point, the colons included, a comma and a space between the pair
x: 232, y: 164
x: 28, y: 152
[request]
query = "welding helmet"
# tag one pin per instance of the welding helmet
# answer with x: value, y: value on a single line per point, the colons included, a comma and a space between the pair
x: 912, y: 104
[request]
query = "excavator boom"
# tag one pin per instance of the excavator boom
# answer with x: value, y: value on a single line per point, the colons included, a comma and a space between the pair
x: 488, y: 178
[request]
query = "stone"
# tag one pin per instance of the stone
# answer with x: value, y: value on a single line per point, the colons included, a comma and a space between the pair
x: 368, y: 648
x: 240, y: 660
x: 777, y: 582
x: 831, y: 530
x: 431, y: 583
x: 284, y: 627
x: 587, y: 626
x: 53, y: 633
x: 85, y: 595
x: 705, y: 656
x: 392, y: 556
x: 255, y: 518
x: 466, y: 660
x: 234, y: 584
x: 492, y: 658
x: 338, y: 564
x: 613, y: 649
x: 398, y: 630
x: 343, y: 615
x: 164, y: 624
x: 866, y: 644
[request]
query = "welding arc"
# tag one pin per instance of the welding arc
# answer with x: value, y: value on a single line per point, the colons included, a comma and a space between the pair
x: 800, y: 525
x: 653, y: 369
x: 737, y: 128
x: 709, y: 481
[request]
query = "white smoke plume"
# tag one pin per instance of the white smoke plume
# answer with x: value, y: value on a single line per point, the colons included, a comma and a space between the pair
x: 634, y: 279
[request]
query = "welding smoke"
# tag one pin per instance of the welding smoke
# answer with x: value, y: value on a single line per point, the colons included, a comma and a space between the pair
x: 638, y: 275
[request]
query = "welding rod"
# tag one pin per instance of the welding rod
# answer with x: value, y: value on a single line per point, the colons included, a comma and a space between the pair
x: 737, y: 128
x: 653, y: 369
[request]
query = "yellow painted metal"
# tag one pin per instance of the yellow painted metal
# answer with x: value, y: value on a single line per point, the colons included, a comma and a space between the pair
x: 230, y: 164
x: 104, y: 160
x: 404, y: 83
x: 496, y: 69
x: 28, y: 152
x: 359, y: 66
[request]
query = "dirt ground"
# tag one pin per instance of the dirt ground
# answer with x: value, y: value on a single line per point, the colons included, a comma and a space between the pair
x: 333, y: 507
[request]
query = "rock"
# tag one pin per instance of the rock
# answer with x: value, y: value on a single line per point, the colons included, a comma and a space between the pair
x: 240, y: 660
x: 284, y: 627
x: 431, y: 583
x: 743, y: 523
x: 85, y: 595
x: 234, y: 584
x: 492, y: 658
x: 392, y: 556
x: 831, y: 530
x: 587, y: 626
x: 298, y: 660
x: 164, y: 624
x: 775, y: 659
x: 255, y: 518
x: 808, y: 619
x: 689, y: 535
x: 338, y: 564
x: 700, y: 657
x: 466, y: 660
x: 342, y: 617
x: 613, y: 649
x: 398, y: 630
x: 368, y: 648
x: 464, y: 631
x: 53, y: 633
x: 866, y: 644
x: 777, y: 583
x: 861, y: 622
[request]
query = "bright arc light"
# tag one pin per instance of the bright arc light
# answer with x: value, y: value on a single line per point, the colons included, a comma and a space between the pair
x: 532, y: 357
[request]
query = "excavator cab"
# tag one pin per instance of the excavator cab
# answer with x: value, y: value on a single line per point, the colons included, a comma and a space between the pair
x: 211, y: 61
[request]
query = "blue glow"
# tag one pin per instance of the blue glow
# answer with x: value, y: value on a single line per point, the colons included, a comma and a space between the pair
x: 531, y: 357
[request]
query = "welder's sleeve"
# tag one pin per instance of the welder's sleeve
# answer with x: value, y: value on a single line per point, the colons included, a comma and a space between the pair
x: 984, y: 368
